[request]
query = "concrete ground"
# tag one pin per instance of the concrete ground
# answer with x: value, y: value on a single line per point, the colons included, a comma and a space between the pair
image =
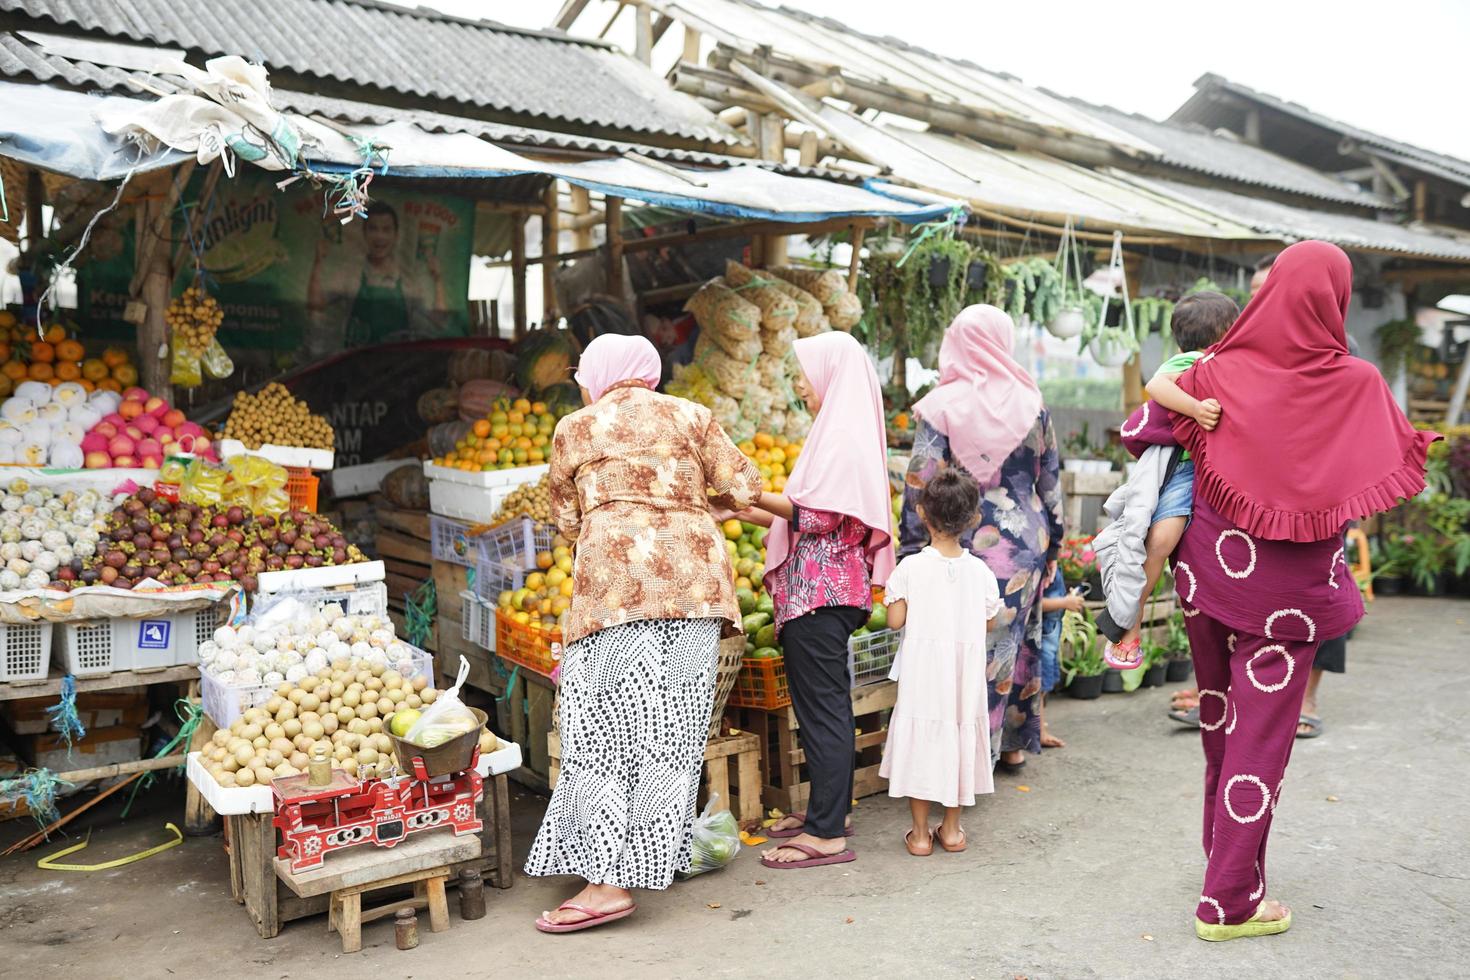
x: 1089, y: 866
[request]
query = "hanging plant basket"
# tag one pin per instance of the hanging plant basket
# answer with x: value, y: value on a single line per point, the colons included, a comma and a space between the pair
x: 1111, y: 349
x: 1068, y: 323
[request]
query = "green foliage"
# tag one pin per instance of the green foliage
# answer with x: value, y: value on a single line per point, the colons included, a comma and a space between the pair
x: 1079, y: 638
x: 1095, y: 393
x: 1397, y: 342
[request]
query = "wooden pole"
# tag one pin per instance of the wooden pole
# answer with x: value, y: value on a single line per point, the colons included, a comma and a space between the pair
x: 549, y: 232
x: 1133, y: 393
x: 772, y: 130
x: 1421, y: 199
x: 691, y: 45
x: 518, y: 274
x: 35, y: 217
x: 643, y: 34
x: 808, y: 148
x: 581, y: 205
x: 855, y: 262
x: 613, y: 210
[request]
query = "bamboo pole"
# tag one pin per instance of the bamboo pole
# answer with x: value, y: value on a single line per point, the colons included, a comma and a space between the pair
x: 549, y: 232
x: 518, y: 274
x: 582, y: 207
x: 643, y: 34
x: 856, y: 260
x: 613, y: 210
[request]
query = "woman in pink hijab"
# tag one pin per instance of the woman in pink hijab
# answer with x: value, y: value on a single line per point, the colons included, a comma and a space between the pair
x: 986, y: 417
x: 829, y: 544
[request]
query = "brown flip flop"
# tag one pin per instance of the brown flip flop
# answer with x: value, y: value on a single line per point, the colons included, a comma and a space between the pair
x: 908, y: 842
x: 956, y: 849
x: 814, y: 859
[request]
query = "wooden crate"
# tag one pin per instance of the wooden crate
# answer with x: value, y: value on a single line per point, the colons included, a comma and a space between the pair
x: 783, y: 761
x: 525, y: 714
x: 1084, y: 495
x: 403, y: 544
x: 251, y: 840
x: 740, y: 792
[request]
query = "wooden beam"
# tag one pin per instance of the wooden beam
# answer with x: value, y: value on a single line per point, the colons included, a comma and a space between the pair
x: 808, y: 149
x: 613, y: 211
x: 549, y: 246
x: 570, y: 11
x: 751, y: 229
x: 855, y: 262
x: 581, y: 206
x: 661, y: 27
x: 643, y: 34
x: 35, y: 201
x: 196, y: 215
x: 1421, y: 199
x: 153, y: 279
x: 518, y: 274
x: 691, y: 45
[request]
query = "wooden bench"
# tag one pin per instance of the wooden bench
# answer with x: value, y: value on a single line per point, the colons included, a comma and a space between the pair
x: 423, y: 861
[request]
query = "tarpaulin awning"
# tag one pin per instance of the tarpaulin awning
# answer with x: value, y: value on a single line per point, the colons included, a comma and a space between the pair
x: 64, y: 131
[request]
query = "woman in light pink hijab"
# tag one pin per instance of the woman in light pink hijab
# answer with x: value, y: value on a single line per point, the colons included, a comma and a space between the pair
x: 613, y: 358
x: 830, y: 543
x: 987, y: 418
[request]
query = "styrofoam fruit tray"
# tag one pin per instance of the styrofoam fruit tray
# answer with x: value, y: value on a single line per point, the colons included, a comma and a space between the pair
x: 230, y: 801
x: 295, y: 456
x: 322, y: 577
x: 514, y: 477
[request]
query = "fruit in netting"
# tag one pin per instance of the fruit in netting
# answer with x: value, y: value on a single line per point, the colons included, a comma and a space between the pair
x: 194, y: 316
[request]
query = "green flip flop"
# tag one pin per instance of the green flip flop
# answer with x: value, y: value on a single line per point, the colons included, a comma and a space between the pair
x: 1254, y: 926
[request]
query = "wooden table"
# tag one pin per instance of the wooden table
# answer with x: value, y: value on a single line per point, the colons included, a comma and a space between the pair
x: 423, y: 862
x: 255, y: 883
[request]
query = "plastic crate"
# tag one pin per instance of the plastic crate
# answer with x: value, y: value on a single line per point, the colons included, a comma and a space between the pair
x: 449, y: 542
x: 301, y: 487
x: 870, y: 656
x: 534, y: 649
x: 25, y: 651
x: 110, y: 645
x: 477, y: 621
x: 366, y: 599
x: 761, y: 683
x: 225, y: 703
x: 515, y: 543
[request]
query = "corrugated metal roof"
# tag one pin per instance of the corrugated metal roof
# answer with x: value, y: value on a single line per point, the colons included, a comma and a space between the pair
x: 416, y: 53
x: 1194, y: 148
x: 1276, y: 220
x: 1201, y: 108
x: 821, y: 43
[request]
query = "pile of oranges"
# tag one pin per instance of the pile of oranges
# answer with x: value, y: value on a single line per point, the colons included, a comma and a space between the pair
x: 56, y: 358
x: 547, y: 594
x: 515, y: 433
x: 775, y: 456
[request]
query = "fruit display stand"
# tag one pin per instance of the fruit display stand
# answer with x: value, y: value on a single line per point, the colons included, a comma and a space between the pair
x: 271, y: 902
x: 783, y: 761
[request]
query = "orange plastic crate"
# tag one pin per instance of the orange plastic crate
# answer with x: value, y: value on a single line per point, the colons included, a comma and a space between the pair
x: 301, y: 487
x: 761, y: 683
x: 534, y: 649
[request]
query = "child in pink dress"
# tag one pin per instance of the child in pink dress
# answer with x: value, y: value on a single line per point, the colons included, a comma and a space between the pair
x: 944, y: 598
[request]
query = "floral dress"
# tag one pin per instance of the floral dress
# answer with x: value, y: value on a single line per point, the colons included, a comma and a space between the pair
x: 1020, y: 531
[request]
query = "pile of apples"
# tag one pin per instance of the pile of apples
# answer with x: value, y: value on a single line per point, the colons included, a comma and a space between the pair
x: 140, y: 433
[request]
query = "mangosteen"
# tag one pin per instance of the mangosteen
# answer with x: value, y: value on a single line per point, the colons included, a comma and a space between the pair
x: 146, y: 495
x: 122, y: 583
x: 302, y: 546
x: 247, y: 582
x: 192, y: 567
x: 175, y: 540
x: 275, y: 563
x: 114, y: 559
x: 172, y: 569
x: 194, y: 537
x: 281, y: 549
x: 179, y: 554
x: 143, y: 542
x: 159, y: 533
x: 289, y: 536
x: 217, y: 540
x: 88, y: 576
x: 295, y: 561
x: 65, y: 574
x: 152, y: 571
x: 236, y: 535
x: 131, y: 571
x: 181, y: 515
x: 141, y: 525
x: 313, y: 561
x: 266, y: 520
x: 235, y: 515
x: 339, y: 556
x: 161, y: 507
x: 108, y: 574
x: 321, y: 541
x: 201, y: 551
x: 123, y: 533
x: 133, y: 506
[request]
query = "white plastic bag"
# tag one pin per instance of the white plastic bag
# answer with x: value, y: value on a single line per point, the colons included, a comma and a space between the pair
x: 716, y: 840
x: 446, y: 718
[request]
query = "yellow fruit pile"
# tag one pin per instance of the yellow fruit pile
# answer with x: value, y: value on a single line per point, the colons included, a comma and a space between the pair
x: 775, y: 456
x: 273, y: 415
x: 56, y: 358
x: 532, y: 500
x: 547, y: 594
x: 194, y: 316
x: 515, y: 433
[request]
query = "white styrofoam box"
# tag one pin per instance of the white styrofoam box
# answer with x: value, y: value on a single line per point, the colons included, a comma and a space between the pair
x: 477, y: 621
x: 108, y: 645
x: 326, y: 576
x: 225, y: 703
x: 448, y: 541
x: 478, y: 505
x: 25, y: 651
x: 230, y: 801
x: 516, y: 476
x: 354, y: 481
x: 367, y: 599
x: 308, y: 459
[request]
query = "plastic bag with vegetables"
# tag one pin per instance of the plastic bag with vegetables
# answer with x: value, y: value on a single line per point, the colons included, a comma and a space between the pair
x: 716, y: 840
x: 446, y: 718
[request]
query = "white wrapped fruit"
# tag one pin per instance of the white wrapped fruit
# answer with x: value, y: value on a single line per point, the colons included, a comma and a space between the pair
x: 246, y: 634
x: 316, y: 660
x: 84, y: 415
x: 273, y: 678
x: 19, y: 566
x: 264, y: 640
x: 226, y: 637
x: 225, y: 676
x: 297, y: 674
x: 69, y: 394
x: 208, y: 650
x: 9, y: 581
x: 326, y: 639
x: 31, y: 550
x: 332, y: 612
x: 47, y: 563
x: 34, y: 392
x: 37, y: 579
x: 105, y: 402
x: 226, y: 659
x: 84, y: 547
x: 248, y: 677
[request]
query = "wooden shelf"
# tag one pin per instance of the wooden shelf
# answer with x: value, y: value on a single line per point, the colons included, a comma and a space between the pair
x: 51, y: 686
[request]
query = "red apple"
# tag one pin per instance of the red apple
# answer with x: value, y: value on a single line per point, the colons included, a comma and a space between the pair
x: 121, y: 446
x: 147, y: 424
x: 155, y: 407
x: 164, y: 437
x: 149, y: 447
x: 115, y: 419
x: 173, y: 418
x: 130, y: 409
x: 152, y: 462
x: 97, y: 461
x: 133, y: 432
x: 105, y: 429
x: 124, y: 462
x: 135, y: 395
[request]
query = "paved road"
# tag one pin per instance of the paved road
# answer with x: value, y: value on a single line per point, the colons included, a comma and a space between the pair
x: 1091, y: 870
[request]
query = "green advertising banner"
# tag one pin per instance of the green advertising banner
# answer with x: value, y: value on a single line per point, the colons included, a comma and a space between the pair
x: 291, y: 279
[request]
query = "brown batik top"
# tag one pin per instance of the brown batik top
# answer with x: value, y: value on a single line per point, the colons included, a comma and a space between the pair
x: 629, y: 482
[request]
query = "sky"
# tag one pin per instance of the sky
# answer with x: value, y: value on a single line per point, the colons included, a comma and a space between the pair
x: 1396, y: 69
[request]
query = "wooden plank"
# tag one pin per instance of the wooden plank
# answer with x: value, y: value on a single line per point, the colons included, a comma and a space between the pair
x: 414, y: 523
x: 549, y: 246
x: 365, y: 868
x: 748, y: 804
x: 518, y: 273
x: 392, y: 544
x: 51, y: 686
x: 497, y: 816
x: 199, y: 816
x: 255, y: 840
x: 538, y: 728
x: 349, y: 922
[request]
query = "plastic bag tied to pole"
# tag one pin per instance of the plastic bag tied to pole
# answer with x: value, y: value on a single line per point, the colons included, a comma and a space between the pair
x: 446, y: 718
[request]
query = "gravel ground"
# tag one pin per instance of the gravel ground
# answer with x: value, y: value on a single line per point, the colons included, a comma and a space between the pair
x: 1087, y: 866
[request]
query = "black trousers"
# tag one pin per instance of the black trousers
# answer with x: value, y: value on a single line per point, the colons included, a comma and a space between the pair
x: 815, y: 648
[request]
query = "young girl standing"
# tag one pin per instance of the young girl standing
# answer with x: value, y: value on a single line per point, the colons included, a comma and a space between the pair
x: 938, y: 747
x: 830, y: 541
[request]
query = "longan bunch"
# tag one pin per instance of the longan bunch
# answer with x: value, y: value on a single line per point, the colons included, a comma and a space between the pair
x: 532, y: 500
x: 194, y: 316
x: 274, y: 416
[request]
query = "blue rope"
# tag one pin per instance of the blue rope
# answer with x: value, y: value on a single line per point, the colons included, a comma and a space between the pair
x: 38, y: 788
x: 64, y: 717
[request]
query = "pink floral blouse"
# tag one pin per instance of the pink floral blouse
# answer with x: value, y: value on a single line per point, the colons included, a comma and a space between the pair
x: 828, y: 566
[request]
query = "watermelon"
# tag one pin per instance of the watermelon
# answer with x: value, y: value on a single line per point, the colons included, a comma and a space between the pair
x: 565, y: 395
x: 543, y: 359
x: 477, y: 398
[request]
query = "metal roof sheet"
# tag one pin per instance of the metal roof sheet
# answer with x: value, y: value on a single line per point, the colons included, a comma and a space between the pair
x: 416, y: 53
x: 823, y: 43
x: 1202, y: 109
x: 1288, y: 223
x: 1197, y: 149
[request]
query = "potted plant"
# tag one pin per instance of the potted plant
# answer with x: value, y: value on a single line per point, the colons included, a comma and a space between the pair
x: 1077, y: 563
x: 1155, y: 664
x: 1083, y: 667
x: 1397, y: 341
x: 1177, y: 641
x: 1387, y: 556
x: 1113, y: 680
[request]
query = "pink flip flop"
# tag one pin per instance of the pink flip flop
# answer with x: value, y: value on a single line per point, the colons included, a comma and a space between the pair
x: 798, y: 831
x: 595, y: 918
x: 815, y: 858
x: 1111, y: 651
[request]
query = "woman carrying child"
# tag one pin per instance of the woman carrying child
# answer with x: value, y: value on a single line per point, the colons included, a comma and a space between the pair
x: 829, y: 545
x: 944, y: 598
x: 986, y: 418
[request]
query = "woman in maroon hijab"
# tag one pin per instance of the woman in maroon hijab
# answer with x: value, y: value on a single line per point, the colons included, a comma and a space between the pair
x: 1309, y: 439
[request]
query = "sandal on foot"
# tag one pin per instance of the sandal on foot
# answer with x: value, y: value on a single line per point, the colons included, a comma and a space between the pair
x: 1114, y: 654
x: 814, y: 857
x: 915, y: 850
x: 594, y: 918
x: 1011, y: 767
x: 1254, y: 926
x: 1313, y: 726
x: 800, y: 829
x: 956, y: 848
x: 1188, y: 718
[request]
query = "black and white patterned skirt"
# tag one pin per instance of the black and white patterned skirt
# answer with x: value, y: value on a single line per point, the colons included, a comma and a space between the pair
x: 635, y: 706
